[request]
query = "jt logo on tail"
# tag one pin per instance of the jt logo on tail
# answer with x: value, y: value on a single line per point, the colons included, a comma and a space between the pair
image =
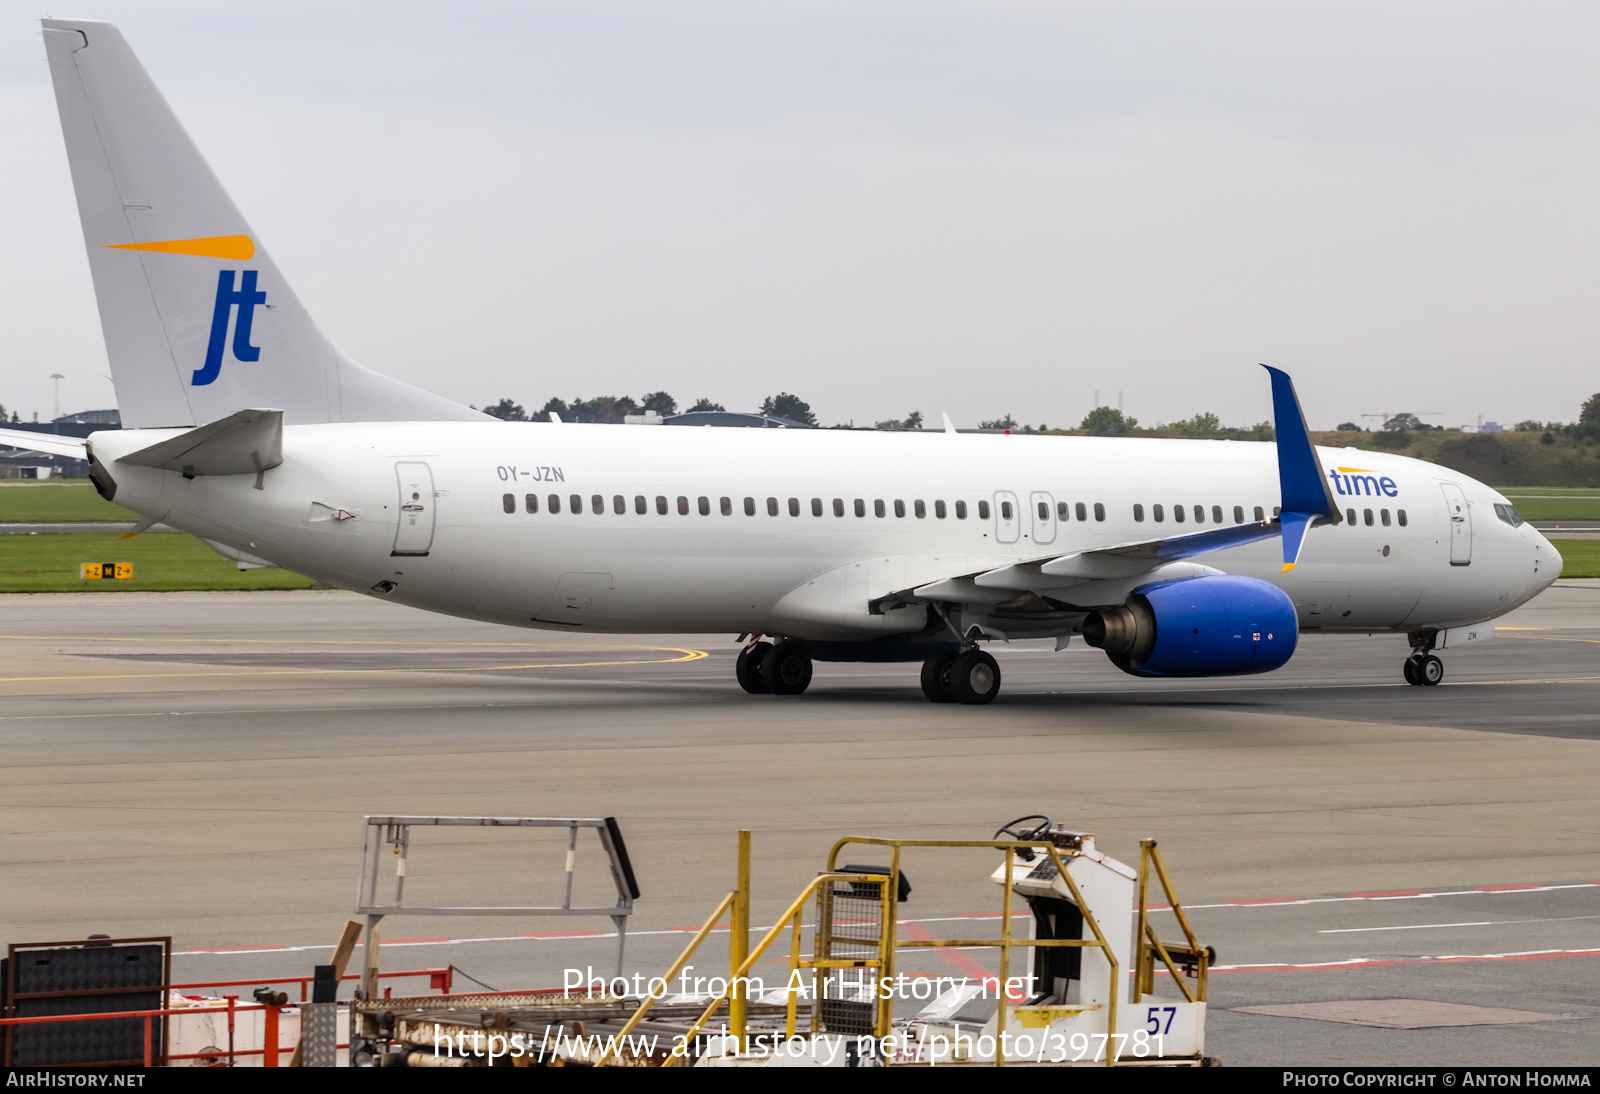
x: 246, y: 297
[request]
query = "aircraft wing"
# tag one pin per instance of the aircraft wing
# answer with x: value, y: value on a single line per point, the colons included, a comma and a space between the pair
x: 1095, y: 577
x: 1106, y: 575
x: 51, y: 444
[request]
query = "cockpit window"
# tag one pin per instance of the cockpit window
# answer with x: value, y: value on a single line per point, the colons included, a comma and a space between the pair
x: 1509, y: 514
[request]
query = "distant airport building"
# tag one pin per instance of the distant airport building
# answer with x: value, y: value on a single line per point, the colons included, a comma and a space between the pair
x: 19, y: 463
x: 730, y: 418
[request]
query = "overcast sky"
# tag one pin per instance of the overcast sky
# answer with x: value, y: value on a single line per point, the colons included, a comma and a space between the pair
x: 978, y: 208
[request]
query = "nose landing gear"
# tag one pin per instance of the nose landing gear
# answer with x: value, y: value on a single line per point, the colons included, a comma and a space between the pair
x: 1424, y: 671
x: 1422, y: 668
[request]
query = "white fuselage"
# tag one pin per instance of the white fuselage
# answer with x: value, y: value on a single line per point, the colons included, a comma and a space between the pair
x: 334, y: 510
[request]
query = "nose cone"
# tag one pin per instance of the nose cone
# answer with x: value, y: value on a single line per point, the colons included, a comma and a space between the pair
x: 1547, y: 562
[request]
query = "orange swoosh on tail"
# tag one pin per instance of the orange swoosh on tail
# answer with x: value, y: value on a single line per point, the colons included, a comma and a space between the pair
x: 235, y: 248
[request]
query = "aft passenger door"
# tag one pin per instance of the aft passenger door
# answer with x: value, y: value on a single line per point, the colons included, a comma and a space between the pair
x: 1007, y: 520
x: 414, y: 533
x: 1460, y: 524
x: 1044, y: 517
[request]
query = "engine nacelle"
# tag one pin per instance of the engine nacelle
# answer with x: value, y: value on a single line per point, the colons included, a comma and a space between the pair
x: 1221, y: 625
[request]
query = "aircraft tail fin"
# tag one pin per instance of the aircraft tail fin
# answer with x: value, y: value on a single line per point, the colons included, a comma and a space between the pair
x: 198, y: 321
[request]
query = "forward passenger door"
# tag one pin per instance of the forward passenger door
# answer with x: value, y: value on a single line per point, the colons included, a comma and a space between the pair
x: 1460, y: 524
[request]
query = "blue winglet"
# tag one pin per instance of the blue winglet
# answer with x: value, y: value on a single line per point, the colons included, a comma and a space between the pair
x: 1301, y: 481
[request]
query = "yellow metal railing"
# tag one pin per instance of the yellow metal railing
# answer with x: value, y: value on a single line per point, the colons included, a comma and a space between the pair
x: 1148, y: 946
x: 742, y: 958
x: 1005, y: 942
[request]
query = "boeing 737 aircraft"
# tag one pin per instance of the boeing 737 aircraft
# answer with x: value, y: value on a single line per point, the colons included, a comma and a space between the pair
x: 248, y: 429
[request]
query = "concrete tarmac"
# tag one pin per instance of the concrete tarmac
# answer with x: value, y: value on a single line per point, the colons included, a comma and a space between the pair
x: 198, y: 764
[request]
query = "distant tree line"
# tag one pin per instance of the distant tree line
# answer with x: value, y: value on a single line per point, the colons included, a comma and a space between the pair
x: 1103, y: 421
x: 1397, y: 432
x: 612, y: 409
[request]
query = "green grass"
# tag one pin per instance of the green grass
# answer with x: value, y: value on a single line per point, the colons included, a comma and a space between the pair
x: 67, y: 500
x: 1579, y: 557
x: 162, y: 561
x: 1558, y: 491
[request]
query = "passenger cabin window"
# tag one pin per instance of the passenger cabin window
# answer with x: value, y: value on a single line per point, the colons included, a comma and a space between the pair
x: 683, y: 506
x: 726, y: 506
x: 531, y: 503
x: 640, y: 504
x: 704, y: 505
x: 877, y: 508
x: 577, y: 503
x: 861, y: 508
x: 1099, y: 511
x: 816, y: 507
x: 1259, y: 514
x: 961, y: 510
x: 597, y: 505
x: 1350, y: 515
x: 1366, y: 516
x: 509, y: 503
x: 555, y: 503
x: 939, y: 509
x: 1238, y: 514
x: 1400, y: 514
x: 772, y: 507
x: 1063, y: 511
x: 983, y: 510
x: 1138, y: 512
x: 838, y: 507
x: 899, y: 508
x: 1005, y: 510
x: 1044, y: 511
x: 920, y: 508
x: 749, y: 507
x: 619, y: 505
x: 1159, y: 513
x: 1177, y: 513
x: 1083, y: 514
x: 1216, y: 514
x: 1383, y: 514
x: 661, y: 504
x: 794, y: 507
x: 1199, y: 514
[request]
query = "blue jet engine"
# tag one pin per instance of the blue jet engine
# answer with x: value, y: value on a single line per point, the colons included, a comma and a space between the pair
x: 1222, y: 625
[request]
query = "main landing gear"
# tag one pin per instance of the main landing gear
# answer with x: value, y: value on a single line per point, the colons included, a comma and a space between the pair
x: 970, y: 676
x: 775, y: 668
x: 1422, y: 669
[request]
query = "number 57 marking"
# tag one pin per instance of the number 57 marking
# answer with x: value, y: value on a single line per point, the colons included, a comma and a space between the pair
x: 1153, y: 1019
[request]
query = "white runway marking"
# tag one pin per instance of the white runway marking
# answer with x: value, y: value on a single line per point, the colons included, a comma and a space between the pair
x: 1483, y: 923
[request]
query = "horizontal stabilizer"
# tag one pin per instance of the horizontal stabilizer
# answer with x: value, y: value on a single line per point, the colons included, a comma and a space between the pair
x: 243, y: 443
x: 51, y: 444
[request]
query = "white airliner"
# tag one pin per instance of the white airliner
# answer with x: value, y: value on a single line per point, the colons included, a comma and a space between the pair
x: 1179, y: 558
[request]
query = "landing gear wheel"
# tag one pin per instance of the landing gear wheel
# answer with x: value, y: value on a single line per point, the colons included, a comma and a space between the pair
x: 974, y: 677
x: 786, y: 670
x: 1409, y: 671
x: 936, y: 677
x: 748, y: 667
x: 1431, y: 670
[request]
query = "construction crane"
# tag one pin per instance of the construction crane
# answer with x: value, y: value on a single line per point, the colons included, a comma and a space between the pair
x: 1386, y: 416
